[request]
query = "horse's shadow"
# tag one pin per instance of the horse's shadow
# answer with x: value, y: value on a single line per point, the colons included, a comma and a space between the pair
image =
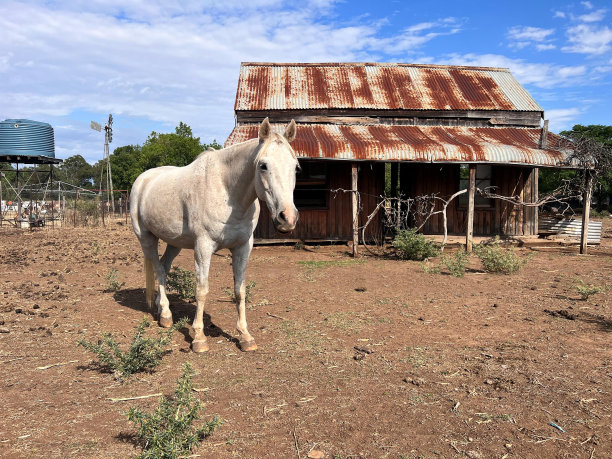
x: 135, y: 299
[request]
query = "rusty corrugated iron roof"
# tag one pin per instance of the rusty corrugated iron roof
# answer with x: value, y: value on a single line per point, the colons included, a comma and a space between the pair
x: 459, y: 144
x: 275, y: 86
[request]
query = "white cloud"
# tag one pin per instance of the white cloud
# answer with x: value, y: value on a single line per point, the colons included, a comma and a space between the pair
x: 167, y: 63
x: 594, y: 16
x: 523, y: 36
x: 413, y: 37
x: 5, y: 62
x: 587, y: 5
x: 540, y: 75
x: 544, y: 47
x: 562, y: 118
x: 529, y: 33
x: 559, y: 14
x: 588, y: 39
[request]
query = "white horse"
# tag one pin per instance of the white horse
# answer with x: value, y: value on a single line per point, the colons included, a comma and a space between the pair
x: 212, y: 204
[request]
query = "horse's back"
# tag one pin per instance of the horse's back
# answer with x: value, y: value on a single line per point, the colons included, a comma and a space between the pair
x: 156, y: 206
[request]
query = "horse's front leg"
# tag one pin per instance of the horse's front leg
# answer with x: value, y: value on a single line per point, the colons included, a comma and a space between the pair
x: 240, y: 257
x: 202, y: 253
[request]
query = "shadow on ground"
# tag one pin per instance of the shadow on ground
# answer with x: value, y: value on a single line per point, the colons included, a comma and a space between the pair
x: 135, y: 299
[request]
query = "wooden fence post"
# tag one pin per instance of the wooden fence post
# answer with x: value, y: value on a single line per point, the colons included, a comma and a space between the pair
x: 76, y: 198
x: 586, y: 210
x: 469, y: 230
x: 394, y: 194
x: 355, y: 208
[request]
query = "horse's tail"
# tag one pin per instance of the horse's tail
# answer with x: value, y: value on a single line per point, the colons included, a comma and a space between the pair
x: 149, y: 284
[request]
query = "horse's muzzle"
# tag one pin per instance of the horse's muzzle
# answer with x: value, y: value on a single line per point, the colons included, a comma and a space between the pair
x: 285, y: 222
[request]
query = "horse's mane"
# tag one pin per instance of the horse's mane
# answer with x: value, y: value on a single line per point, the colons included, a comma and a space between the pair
x: 229, y: 152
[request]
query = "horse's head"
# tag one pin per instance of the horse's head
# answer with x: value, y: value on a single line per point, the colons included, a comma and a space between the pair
x: 276, y: 167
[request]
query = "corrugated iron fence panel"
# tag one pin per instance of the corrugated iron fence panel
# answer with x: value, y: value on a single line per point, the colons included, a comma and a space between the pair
x: 570, y: 228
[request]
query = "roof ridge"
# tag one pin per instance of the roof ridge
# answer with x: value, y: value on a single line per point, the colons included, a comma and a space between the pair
x: 376, y: 64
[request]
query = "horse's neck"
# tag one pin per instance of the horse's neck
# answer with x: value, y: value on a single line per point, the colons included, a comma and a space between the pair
x: 235, y: 168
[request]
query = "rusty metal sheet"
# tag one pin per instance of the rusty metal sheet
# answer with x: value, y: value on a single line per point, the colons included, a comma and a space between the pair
x: 460, y: 144
x: 513, y: 91
x: 268, y: 86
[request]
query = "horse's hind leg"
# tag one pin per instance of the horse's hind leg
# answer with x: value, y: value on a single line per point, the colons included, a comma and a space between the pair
x: 165, y: 316
x: 240, y: 257
x: 169, y: 256
x: 149, y: 244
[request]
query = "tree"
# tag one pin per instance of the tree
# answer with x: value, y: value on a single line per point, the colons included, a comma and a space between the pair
x: 175, y: 149
x: 593, y: 144
x: 178, y: 149
x: 126, y: 166
x: 598, y: 132
x: 76, y: 171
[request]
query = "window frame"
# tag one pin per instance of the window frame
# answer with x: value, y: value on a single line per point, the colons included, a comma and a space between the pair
x: 484, y: 179
x: 311, y: 180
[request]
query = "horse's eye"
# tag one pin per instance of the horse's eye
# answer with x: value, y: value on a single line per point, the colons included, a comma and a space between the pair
x: 263, y: 167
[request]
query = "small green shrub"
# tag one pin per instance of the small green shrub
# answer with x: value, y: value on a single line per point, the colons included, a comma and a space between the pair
x: 430, y: 268
x: 113, y: 280
x: 602, y: 213
x: 182, y: 281
x: 496, y: 259
x: 144, y: 353
x: 457, y: 263
x: 168, y: 432
x: 249, y: 291
x: 411, y: 245
x: 247, y: 295
x: 586, y: 290
x: 88, y: 212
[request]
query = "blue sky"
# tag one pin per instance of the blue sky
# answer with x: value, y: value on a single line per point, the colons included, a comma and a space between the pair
x: 152, y: 65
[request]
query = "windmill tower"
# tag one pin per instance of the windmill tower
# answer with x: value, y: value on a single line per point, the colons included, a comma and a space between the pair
x: 108, y: 138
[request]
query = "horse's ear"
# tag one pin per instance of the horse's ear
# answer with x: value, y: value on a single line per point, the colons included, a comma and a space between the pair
x: 291, y: 131
x: 264, y: 129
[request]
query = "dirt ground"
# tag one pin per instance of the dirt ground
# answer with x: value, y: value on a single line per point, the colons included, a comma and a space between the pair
x: 357, y: 358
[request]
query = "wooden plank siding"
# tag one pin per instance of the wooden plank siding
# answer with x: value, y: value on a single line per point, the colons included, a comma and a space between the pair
x: 334, y: 222
x: 416, y: 179
x: 502, y: 217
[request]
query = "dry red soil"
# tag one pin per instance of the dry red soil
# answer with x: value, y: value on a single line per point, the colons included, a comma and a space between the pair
x: 357, y: 358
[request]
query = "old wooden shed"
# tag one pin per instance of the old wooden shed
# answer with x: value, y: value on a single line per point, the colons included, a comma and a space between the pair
x: 439, y: 127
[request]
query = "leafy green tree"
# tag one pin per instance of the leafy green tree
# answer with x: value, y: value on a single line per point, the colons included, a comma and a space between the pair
x: 214, y: 145
x: 76, y: 171
x: 551, y: 179
x: 126, y: 166
x: 178, y: 149
x: 599, y: 132
x: 8, y: 181
x: 128, y: 162
x: 602, y: 192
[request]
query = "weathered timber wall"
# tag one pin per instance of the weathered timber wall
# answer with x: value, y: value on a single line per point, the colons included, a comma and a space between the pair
x: 334, y: 222
x: 501, y: 218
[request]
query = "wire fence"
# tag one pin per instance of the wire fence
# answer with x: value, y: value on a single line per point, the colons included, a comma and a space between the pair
x: 55, y: 204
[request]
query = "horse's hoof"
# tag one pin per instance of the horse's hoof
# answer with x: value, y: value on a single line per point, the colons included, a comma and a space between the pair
x: 248, y: 346
x: 165, y: 322
x: 199, y: 346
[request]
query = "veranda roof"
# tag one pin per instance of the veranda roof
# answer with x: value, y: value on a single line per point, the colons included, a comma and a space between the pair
x: 456, y: 144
